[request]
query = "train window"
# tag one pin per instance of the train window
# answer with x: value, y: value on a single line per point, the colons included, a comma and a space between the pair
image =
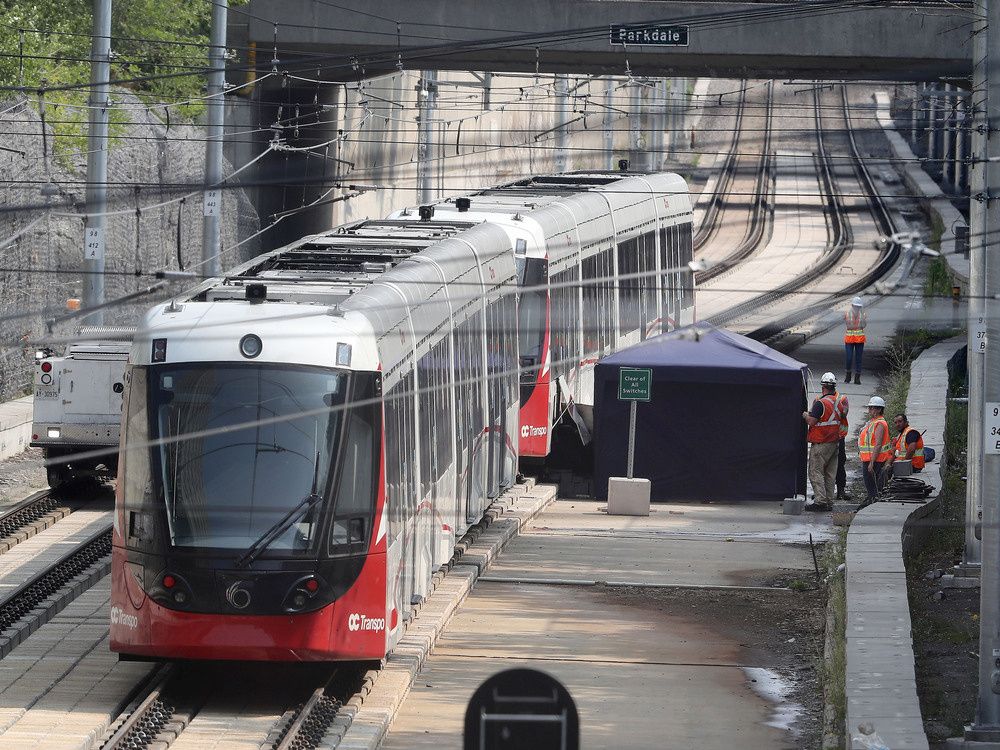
x: 628, y: 286
x: 355, y: 494
x: 137, y: 493
x: 685, y: 250
x: 393, y: 459
x: 531, y: 323
x: 591, y: 305
x: 278, y: 445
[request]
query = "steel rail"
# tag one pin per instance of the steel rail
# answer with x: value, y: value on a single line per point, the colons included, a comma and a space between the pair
x: 774, y: 331
x: 146, y: 720
x: 19, y: 604
x: 20, y: 522
x: 763, y: 200
x: 841, y: 241
x: 710, y: 224
x: 309, y: 723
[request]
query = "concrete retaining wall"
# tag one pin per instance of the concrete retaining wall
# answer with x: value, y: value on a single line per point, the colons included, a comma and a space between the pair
x: 881, y: 681
x: 15, y: 426
x: 918, y: 182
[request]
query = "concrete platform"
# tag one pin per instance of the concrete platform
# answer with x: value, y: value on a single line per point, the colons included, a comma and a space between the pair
x: 684, y: 544
x: 641, y: 678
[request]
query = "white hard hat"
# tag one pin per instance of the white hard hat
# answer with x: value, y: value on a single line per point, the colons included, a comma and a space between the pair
x: 856, y: 302
x: 828, y: 379
x: 876, y: 401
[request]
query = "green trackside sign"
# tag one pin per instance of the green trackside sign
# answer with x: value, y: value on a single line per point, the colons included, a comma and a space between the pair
x: 635, y: 384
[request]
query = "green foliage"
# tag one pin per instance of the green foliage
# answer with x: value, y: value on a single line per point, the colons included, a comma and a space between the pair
x: 939, y: 279
x: 46, y: 43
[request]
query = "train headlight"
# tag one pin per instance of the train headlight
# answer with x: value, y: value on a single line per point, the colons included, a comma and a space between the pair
x: 53, y: 432
x: 46, y: 366
x: 45, y: 379
x: 251, y: 346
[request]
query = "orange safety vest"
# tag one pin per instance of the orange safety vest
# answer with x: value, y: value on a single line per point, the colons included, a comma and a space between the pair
x: 827, y: 429
x: 868, y: 449
x: 918, y: 454
x: 842, y: 407
x: 856, y: 322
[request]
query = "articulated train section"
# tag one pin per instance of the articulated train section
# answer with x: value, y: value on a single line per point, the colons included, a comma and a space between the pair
x: 311, y: 442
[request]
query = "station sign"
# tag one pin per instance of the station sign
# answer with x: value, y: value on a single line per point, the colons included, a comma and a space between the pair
x: 655, y: 34
x: 635, y: 384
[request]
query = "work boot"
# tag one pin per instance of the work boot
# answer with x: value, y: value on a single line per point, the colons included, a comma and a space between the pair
x: 842, y: 497
x: 857, y: 378
x: 847, y: 377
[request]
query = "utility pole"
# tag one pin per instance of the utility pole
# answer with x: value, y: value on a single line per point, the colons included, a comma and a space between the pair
x: 426, y: 93
x: 609, y: 122
x: 211, y: 237
x: 979, y: 241
x: 97, y: 162
x: 987, y: 722
x: 562, y: 118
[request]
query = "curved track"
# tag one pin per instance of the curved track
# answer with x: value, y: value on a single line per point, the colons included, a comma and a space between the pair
x: 813, y: 273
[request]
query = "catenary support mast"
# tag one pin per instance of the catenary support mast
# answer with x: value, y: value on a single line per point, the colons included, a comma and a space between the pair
x: 97, y: 162
x: 211, y: 240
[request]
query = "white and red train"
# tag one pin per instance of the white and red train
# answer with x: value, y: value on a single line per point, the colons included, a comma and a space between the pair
x: 306, y: 438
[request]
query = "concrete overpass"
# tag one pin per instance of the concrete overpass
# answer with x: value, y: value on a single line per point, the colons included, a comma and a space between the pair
x: 817, y: 39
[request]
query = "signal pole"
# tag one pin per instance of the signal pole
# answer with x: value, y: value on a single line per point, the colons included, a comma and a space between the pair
x: 987, y: 723
x: 211, y: 227
x: 97, y: 163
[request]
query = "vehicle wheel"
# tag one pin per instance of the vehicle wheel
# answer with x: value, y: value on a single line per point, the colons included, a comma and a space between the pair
x: 57, y: 476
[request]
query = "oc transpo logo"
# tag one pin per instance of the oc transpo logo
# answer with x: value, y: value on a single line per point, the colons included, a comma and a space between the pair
x: 361, y: 622
x: 238, y: 596
x: 528, y: 430
x: 120, y: 618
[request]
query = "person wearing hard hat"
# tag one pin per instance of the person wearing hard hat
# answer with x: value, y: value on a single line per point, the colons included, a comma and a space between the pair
x: 843, y: 407
x: 909, y: 445
x: 875, y: 448
x: 823, y: 419
x: 855, y: 320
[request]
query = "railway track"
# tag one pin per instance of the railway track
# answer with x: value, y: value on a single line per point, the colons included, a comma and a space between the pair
x: 44, y: 595
x: 30, y: 516
x: 840, y: 245
x: 178, y: 696
x: 723, y: 185
x: 772, y: 333
x: 758, y: 222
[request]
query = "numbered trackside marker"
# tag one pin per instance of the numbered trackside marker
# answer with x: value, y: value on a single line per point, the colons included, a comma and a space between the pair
x: 991, y: 429
x: 979, y: 338
x: 213, y: 202
x: 93, y: 243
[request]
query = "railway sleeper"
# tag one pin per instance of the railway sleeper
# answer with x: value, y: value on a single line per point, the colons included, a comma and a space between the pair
x: 41, y: 598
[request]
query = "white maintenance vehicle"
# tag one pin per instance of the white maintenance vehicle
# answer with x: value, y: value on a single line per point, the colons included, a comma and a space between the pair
x: 78, y: 405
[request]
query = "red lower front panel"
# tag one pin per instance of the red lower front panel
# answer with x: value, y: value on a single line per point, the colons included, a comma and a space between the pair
x: 352, y: 628
x: 536, y: 432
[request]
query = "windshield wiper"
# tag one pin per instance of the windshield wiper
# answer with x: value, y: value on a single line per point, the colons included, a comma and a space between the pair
x: 267, y: 538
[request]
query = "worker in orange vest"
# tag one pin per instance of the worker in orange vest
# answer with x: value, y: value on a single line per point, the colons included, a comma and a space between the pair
x: 909, y: 444
x: 855, y: 321
x: 823, y: 436
x: 843, y: 406
x: 875, y: 448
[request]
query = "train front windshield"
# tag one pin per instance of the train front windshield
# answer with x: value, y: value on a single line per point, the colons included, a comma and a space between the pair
x: 245, y: 445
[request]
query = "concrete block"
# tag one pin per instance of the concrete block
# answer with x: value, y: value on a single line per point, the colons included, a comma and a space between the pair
x: 628, y: 497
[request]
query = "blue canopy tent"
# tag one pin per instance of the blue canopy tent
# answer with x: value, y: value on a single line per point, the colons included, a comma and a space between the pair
x: 724, y: 421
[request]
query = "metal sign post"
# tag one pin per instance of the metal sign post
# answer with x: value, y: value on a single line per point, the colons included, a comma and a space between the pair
x: 635, y: 384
